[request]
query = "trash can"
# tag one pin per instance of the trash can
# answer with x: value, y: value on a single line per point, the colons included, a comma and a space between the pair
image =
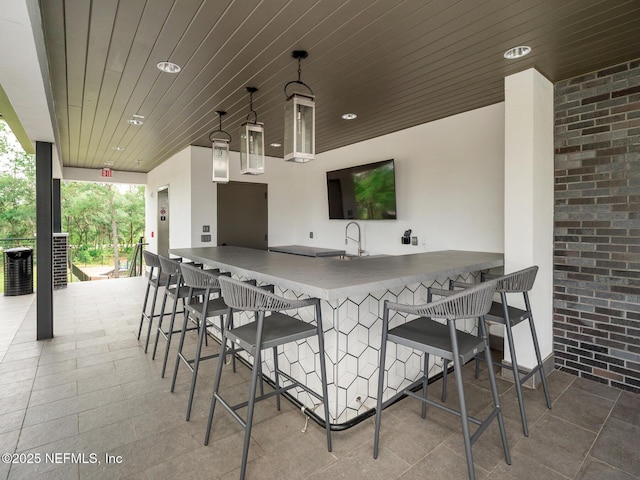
x: 18, y: 271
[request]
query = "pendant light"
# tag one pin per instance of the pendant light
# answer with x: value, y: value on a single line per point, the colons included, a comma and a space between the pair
x: 252, y: 142
x: 299, y: 119
x: 220, y: 148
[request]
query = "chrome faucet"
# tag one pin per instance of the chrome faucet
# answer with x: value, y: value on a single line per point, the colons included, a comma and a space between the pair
x: 359, y: 239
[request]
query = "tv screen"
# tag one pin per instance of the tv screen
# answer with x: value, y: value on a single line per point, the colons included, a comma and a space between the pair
x: 363, y: 192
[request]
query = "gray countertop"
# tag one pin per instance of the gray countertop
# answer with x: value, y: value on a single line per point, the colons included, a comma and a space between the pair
x: 332, y: 278
x: 307, y: 251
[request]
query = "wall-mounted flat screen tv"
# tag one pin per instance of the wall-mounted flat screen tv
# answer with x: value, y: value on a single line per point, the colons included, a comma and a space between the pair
x: 363, y: 192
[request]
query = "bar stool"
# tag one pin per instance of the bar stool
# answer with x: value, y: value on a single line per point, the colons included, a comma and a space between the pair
x: 171, y: 270
x: 267, y: 331
x: 504, y: 314
x: 444, y: 340
x: 151, y: 260
x: 205, y: 282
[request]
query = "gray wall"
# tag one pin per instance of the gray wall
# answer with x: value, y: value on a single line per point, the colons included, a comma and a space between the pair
x: 597, y: 226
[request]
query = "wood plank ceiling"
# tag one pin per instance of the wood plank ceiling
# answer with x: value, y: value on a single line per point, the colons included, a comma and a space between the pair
x: 395, y: 63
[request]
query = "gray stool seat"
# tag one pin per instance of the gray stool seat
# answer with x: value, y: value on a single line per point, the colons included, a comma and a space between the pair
x: 279, y: 329
x: 423, y: 331
x: 214, y: 306
x: 267, y: 331
x: 444, y: 340
x: 515, y: 315
x: 181, y: 292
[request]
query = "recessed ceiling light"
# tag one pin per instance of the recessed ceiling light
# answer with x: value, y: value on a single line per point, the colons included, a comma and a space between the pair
x: 349, y: 116
x: 117, y: 149
x: 275, y: 144
x: 517, y: 52
x: 135, y: 121
x: 169, y: 67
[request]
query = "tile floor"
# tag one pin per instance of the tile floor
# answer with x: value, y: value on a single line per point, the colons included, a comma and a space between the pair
x: 92, y: 390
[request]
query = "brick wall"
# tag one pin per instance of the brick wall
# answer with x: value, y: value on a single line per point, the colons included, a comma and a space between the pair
x: 60, y: 260
x: 597, y: 226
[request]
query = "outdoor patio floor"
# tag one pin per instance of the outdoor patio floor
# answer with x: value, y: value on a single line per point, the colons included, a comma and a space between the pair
x: 93, y: 390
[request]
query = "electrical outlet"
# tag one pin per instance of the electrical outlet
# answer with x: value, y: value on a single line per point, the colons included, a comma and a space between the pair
x: 356, y: 403
x: 414, y: 240
x: 310, y: 234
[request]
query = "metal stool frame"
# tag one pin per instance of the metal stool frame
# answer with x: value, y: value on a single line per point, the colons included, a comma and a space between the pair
x: 207, y: 283
x: 265, y: 332
x: 444, y: 340
x: 152, y: 261
x: 517, y: 282
x: 171, y: 269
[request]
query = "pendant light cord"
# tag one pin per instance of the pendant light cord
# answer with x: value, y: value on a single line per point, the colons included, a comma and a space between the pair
x: 251, y: 110
x: 220, y: 130
x: 299, y: 55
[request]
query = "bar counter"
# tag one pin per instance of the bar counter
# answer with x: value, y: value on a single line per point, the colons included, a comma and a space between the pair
x: 334, y: 278
x: 352, y: 293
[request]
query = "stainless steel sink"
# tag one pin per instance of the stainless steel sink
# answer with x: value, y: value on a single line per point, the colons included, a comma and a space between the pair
x: 348, y: 258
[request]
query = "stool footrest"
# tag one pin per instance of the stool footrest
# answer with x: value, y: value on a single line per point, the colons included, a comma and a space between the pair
x: 483, y: 424
x: 525, y: 374
x: 530, y: 373
x: 264, y: 396
x: 441, y: 406
x: 166, y: 334
x: 189, y: 361
x: 231, y: 410
x: 148, y: 316
x: 296, y: 383
x: 209, y: 357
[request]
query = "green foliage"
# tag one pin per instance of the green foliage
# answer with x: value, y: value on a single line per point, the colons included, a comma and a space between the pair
x: 130, y: 214
x: 17, y: 188
x: 86, y: 211
x: 86, y: 216
x: 375, y: 194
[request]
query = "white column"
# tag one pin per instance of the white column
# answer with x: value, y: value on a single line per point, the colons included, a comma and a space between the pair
x: 528, y: 201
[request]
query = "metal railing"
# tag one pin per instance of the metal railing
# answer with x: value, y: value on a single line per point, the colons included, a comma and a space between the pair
x: 79, y: 274
x: 135, y: 266
x: 6, y: 243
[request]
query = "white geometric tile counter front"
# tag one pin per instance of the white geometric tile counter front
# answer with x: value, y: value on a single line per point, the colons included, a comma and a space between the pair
x: 352, y: 336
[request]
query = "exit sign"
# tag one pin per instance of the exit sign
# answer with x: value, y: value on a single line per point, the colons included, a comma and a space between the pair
x: 107, y: 172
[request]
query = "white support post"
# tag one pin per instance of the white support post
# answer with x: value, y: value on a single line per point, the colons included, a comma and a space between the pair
x: 528, y: 201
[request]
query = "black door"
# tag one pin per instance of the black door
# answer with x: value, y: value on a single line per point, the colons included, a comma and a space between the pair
x: 243, y: 215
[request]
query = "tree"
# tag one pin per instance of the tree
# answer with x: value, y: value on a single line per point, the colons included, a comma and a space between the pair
x: 17, y: 188
x: 100, y: 218
x: 130, y: 211
x: 84, y: 215
x: 114, y: 231
x: 96, y: 216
